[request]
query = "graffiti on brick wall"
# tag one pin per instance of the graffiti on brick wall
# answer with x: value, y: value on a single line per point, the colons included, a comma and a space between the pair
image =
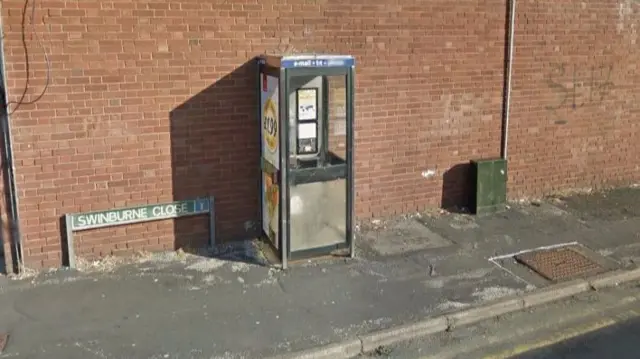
x: 575, y: 87
x: 104, y: 126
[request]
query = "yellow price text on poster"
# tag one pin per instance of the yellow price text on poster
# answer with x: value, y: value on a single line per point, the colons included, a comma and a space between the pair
x: 270, y: 125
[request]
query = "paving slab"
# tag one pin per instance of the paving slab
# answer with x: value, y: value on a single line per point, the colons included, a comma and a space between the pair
x: 407, y: 236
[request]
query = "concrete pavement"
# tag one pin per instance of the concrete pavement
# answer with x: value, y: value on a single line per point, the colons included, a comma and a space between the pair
x: 233, y: 304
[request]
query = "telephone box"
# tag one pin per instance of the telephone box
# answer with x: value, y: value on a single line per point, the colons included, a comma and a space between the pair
x: 306, y: 113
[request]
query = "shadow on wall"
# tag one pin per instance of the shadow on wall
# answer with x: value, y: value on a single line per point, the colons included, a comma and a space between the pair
x: 215, y: 152
x: 456, y: 184
x: 455, y: 188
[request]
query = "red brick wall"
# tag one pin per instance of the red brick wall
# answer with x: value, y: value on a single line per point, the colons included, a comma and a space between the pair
x: 152, y: 101
x: 576, y: 104
x: 337, y: 112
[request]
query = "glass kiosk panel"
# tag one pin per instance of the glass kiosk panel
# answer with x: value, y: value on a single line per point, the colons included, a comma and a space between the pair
x: 317, y: 162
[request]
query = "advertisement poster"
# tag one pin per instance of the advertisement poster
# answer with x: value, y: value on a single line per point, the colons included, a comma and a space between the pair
x: 270, y: 120
x: 307, y: 104
x: 270, y: 201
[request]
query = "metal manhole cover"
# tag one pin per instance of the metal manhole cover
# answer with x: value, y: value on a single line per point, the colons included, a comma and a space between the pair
x: 559, y: 264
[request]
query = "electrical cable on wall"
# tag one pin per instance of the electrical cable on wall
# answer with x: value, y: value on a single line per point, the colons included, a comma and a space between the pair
x: 22, y: 101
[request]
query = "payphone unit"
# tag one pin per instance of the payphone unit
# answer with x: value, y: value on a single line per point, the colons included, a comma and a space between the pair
x: 306, y: 113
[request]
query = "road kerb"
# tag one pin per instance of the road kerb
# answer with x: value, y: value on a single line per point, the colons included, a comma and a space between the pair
x: 403, y: 332
x: 555, y: 292
x: 552, y: 293
x: 343, y: 350
x: 613, y: 279
x: 484, y: 311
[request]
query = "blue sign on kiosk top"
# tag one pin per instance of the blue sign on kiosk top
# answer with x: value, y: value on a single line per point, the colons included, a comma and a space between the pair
x: 302, y: 61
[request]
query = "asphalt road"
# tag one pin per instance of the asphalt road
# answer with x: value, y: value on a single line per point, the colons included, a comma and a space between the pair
x: 594, y: 325
x: 618, y: 341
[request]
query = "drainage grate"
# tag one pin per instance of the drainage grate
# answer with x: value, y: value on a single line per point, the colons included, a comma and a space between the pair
x: 559, y: 264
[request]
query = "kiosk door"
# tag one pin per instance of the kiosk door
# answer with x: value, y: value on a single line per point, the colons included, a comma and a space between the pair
x: 319, y: 175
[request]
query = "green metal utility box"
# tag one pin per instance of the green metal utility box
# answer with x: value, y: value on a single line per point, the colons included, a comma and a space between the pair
x: 488, y: 185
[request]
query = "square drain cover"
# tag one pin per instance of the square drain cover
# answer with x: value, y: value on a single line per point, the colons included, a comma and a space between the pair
x: 559, y: 264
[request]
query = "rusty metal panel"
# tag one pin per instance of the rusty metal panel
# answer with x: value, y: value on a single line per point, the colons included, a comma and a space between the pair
x: 560, y: 264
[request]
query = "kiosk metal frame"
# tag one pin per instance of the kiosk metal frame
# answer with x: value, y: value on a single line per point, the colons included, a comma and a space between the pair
x: 280, y: 175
